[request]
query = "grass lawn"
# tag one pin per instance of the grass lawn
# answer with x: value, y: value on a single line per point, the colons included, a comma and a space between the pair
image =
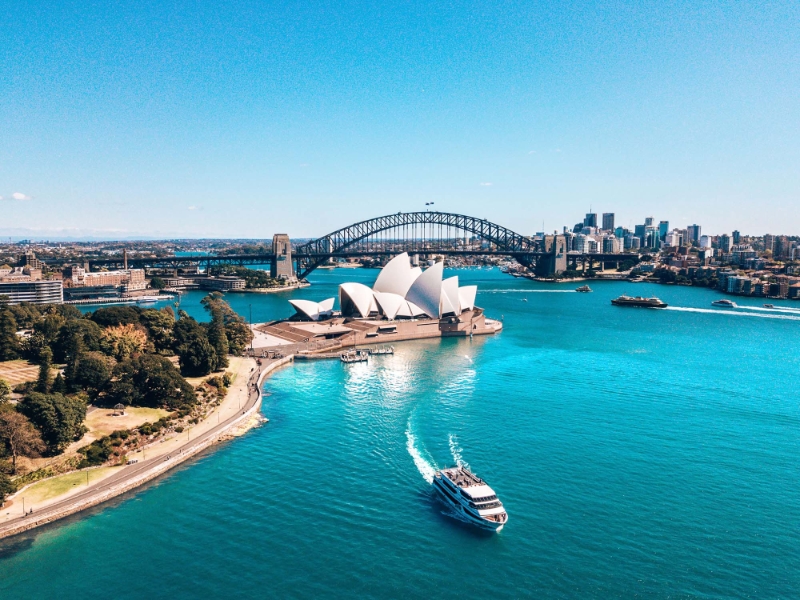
x: 18, y: 371
x: 55, y: 486
x: 101, y: 423
x: 233, y: 366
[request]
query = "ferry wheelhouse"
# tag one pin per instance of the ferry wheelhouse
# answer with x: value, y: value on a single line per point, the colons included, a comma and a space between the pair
x: 471, y: 498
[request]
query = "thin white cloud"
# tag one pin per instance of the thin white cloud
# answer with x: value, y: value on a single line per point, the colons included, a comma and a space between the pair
x: 303, y: 164
x: 20, y: 196
x: 193, y: 207
x: 532, y: 152
x: 486, y: 183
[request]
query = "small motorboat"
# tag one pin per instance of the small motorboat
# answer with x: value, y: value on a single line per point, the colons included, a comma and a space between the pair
x: 769, y: 306
x: 583, y: 288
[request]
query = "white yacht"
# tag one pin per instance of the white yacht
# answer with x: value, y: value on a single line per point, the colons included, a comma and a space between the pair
x: 725, y: 302
x: 471, y: 498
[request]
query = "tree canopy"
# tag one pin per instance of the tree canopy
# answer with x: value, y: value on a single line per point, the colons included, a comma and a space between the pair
x: 59, y: 418
x: 150, y: 380
x: 197, y: 356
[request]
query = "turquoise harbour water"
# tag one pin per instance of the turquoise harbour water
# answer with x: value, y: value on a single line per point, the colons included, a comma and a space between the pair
x: 639, y: 453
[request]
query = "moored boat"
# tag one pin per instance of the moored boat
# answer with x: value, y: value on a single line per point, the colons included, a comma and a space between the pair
x: 638, y: 301
x: 471, y: 498
x: 354, y: 356
x: 382, y: 350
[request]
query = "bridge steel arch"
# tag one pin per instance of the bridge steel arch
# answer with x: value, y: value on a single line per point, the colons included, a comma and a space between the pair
x: 311, y: 255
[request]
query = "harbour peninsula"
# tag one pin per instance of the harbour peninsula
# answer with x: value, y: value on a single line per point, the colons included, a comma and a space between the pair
x: 237, y: 413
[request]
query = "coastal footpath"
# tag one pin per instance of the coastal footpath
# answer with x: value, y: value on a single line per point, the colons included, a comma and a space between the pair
x: 240, y: 408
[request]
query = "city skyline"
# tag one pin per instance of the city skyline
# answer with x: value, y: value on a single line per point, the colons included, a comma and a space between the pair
x: 164, y: 123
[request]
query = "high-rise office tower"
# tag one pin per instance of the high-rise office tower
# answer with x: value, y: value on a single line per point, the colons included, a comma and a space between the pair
x: 694, y: 233
x: 663, y: 229
x: 608, y: 221
x: 590, y: 220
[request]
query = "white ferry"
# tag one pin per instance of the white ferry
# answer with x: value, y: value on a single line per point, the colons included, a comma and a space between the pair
x: 725, y: 303
x: 469, y: 496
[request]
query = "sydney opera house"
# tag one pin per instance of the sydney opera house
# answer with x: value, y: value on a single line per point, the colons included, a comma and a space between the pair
x: 405, y: 302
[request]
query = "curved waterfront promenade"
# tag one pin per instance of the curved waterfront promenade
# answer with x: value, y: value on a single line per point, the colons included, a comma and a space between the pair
x: 134, y: 475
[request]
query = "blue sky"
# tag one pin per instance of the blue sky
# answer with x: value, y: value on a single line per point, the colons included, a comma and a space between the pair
x: 241, y: 119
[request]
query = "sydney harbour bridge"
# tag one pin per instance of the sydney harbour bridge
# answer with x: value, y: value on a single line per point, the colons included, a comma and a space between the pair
x: 424, y: 233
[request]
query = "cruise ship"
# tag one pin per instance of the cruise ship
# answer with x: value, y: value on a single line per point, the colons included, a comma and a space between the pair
x: 471, y: 498
x: 639, y: 301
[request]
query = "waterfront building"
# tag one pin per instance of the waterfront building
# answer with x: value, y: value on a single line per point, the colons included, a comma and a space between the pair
x: 737, y: 284
x: 35, y: 292
x: 400, y: 292
x: 608, y: 221
x: 98, y: 293
x: 222, y: 283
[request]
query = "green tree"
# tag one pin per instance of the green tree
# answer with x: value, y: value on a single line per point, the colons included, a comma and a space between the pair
x: 9, y: 343
x: 218, y: 339
x: 72, y: 351
x: 159, y: 324
x: 237, y: 332
x: 7, y: 488
x: 49, y: 326
x: 93, y: 372
x: 59, y: 385
x: 45, y: 363
x: 26, y: 314
x: 5, y: 392
x: 19, y: 436
x: 59, y: 418
x: 196, y: 354
x: 150, y: 380
x: 157, y: 283
x: 116, y: 315
x: 88, y: 333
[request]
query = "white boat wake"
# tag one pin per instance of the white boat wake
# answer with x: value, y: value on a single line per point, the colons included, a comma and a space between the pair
x: 425, y: 467
x: 456, y: 450
x: 480, y: 291
x: 734, y: 313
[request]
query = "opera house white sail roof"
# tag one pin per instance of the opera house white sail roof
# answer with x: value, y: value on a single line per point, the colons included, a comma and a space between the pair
x: 313, y: 310
x: 400, y: 291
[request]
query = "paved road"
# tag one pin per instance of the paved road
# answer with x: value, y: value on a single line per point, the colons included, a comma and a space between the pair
x: 132, y: 471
